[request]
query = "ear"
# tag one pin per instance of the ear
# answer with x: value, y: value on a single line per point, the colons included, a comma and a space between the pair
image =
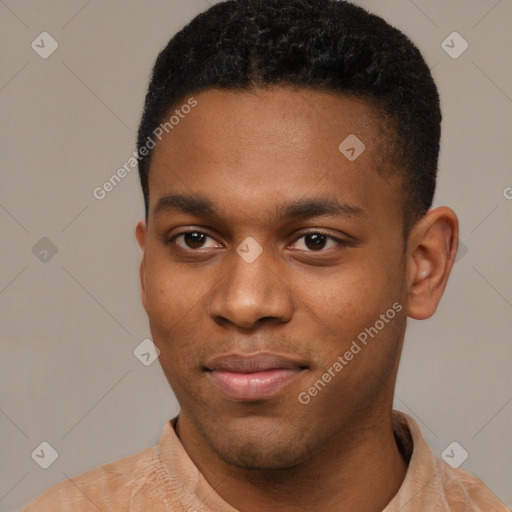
x: 140, y: 234
x: 431, y: 250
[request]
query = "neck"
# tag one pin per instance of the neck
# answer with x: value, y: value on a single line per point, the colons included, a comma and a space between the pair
x: 359, y: 471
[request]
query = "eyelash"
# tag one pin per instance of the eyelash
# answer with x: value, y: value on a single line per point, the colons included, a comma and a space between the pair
x: 170, y: 240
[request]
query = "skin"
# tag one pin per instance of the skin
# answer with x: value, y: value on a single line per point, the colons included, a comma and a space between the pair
x: 248, y: 153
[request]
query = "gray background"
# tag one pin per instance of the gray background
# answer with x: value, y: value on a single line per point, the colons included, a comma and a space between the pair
x: 69, y: 325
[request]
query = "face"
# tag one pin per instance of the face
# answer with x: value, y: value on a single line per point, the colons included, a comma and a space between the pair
x: 267, y: 257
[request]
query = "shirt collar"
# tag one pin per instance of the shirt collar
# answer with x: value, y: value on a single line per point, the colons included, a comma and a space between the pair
x: 194, y: 490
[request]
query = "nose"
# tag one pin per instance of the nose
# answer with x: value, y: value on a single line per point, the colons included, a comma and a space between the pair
x: 250, y: 293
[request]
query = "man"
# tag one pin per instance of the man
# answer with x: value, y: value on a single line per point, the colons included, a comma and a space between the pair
x: 288, y: 156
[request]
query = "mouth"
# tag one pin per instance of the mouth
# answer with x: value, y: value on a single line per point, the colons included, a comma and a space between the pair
x: 252, y: 377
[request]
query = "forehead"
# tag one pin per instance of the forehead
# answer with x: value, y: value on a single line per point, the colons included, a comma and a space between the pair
x: 279, y: 117
x: 266, y: 145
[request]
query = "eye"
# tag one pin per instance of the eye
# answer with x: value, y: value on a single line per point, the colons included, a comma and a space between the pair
x: 190, y: 240
x: 318, y: 241
x: 315, y: 241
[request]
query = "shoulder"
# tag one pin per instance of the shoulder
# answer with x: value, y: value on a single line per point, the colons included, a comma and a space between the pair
x: 464, y: 491
x: 101, y: 488
x: 433, y: 484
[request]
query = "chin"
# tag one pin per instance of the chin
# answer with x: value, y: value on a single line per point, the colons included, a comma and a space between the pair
x: 260, y: 456
x: 259, y: 448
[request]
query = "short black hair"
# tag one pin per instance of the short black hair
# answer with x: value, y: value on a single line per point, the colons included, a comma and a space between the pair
x: 330, y: 45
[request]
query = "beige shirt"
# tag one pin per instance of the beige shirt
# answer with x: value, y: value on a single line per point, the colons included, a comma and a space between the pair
x: 164, y: 479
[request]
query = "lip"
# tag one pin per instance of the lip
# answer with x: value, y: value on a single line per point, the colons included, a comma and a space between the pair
x: 252, y: 377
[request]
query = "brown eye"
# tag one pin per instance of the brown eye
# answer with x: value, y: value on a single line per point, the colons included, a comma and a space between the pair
x: 194, y: 239
x: 315, y: 241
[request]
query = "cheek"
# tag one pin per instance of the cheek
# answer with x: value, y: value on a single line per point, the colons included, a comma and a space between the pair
x: 354, y: 296
x: 170, y: 291
x: 173, y: 306
x: 354, y: 308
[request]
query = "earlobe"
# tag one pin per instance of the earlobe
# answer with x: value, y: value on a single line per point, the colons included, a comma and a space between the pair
x: 140, y: 234
x: 431, y: 253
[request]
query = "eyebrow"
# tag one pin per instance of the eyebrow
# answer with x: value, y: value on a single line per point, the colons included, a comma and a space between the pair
x: 300, y: 209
